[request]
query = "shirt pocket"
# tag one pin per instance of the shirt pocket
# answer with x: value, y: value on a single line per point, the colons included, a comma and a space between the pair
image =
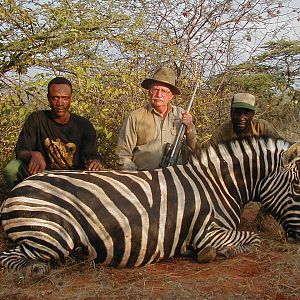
x: 146, y: 134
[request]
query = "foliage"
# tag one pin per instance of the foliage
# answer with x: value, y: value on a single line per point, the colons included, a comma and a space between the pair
x: 272, y: 77
x: 107, y: 48
x: 282, y: 61
x: 12, y: 118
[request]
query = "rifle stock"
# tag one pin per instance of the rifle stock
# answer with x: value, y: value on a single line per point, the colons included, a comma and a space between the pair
x: 171, y: 152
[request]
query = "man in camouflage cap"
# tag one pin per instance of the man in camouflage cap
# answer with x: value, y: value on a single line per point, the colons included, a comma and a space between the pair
x: 242, y: 122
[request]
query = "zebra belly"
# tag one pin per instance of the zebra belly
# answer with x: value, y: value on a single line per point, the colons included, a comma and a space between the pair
x: 56, y: 214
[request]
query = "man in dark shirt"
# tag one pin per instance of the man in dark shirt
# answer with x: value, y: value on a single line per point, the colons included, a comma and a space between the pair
x: 54, y: 139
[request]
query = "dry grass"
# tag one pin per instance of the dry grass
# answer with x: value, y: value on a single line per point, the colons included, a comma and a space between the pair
x: 271, y: 273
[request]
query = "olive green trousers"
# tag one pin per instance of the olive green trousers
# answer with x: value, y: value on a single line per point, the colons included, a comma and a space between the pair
x: 15, y: 172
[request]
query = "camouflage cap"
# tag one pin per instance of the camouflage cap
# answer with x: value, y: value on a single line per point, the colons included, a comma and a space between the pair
x: 243, y: 100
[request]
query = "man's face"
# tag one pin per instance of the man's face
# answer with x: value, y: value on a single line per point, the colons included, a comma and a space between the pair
x: 241, y: 120
x: 160, y: 95
x: 59, y: 97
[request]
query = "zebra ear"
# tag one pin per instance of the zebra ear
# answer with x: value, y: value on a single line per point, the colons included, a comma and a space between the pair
x: 291, y: 155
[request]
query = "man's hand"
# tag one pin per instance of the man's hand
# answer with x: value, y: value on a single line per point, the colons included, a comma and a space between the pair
x: 187, y: 119
x: 94, y: 165
x: 37, y: 163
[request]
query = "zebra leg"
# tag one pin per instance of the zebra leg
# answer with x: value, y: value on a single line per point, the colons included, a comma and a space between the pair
x: 227, y: 243
x: 207, y: 254
x: 234, y: 250
x: 27, y: 261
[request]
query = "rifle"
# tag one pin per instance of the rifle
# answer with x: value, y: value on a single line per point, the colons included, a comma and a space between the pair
x: 171, y: 152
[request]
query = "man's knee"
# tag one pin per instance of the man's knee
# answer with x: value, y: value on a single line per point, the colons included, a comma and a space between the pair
x: 14, y: 172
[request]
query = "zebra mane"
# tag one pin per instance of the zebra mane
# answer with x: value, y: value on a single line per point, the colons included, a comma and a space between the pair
x: 236, y: 147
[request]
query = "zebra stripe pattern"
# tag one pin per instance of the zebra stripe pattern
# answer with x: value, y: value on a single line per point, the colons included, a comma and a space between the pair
x: 131, y: 219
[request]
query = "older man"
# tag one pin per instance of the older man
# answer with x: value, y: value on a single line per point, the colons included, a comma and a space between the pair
x: 146, y: 131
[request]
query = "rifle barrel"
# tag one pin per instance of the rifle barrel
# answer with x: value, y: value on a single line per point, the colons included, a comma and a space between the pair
x: 179, y: 136
x: 193, y: 96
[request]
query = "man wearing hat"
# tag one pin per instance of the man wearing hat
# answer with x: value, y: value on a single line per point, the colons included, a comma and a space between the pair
x: 147, y: 130
x: 242, y: 123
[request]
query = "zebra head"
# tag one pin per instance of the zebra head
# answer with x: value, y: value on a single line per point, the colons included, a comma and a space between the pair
x: 291, y: 212
x: 279, y: 191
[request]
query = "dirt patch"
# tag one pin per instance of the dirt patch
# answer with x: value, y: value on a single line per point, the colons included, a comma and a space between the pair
x: 273, y: 272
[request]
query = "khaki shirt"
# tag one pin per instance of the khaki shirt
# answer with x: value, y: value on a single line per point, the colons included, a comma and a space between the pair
x: 226, y: 133
x: 144, y: 135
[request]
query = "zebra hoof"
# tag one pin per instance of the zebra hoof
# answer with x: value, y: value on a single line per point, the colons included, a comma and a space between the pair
x: 207, y: 254
x: 226, y: 252
x: 35, y: 270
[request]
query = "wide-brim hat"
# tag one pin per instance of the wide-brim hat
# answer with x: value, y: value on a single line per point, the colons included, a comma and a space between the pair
x: 164, y: 75
x: 243, y: 100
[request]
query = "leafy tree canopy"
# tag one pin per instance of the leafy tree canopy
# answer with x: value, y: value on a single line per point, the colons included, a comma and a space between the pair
x: 106, y: 48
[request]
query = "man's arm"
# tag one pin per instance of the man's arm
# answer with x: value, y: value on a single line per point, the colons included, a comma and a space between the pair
x: 26, y: 144
x: 89, y: 152
x: 222, y: 134
x: 190, y: 130
x: 36, y: 161
x: 267, y: 129
x: 126, y: 142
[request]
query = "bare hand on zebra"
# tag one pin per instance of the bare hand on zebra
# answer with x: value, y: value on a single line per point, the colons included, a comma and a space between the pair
x: 187, y: 119
x: 37, y: 163
x: 94, y: 165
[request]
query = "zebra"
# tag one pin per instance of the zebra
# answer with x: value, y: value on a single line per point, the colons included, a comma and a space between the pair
x: 134, y: 218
